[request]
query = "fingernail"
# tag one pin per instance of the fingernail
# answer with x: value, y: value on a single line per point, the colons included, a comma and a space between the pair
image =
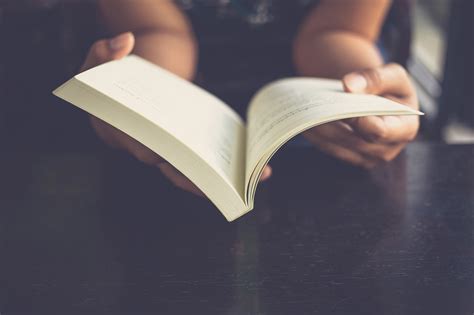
x: 119, y: 41
x: 355, y: 82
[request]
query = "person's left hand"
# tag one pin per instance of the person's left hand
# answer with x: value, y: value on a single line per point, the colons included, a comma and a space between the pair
x: 368, y: 141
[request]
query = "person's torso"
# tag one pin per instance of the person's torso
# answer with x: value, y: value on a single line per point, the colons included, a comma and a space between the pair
x: 243, y: 44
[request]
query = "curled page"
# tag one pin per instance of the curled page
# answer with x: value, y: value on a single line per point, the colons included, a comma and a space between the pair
x: 190, y: 128
x: 287, y: 107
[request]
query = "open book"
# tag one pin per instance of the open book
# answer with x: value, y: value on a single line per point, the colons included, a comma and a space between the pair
x: 203, y: 137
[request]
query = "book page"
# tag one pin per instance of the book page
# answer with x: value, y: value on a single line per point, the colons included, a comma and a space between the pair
x: 189, y: 127
x: 196, y: 118
x: 287, y: 107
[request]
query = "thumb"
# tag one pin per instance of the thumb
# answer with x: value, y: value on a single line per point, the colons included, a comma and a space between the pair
x: 370, y: 128
x: 391, y: 79
x: 109, y: 49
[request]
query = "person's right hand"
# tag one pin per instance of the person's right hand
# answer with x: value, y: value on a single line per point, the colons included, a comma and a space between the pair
x: 371, y: 140
x: 113, y: 49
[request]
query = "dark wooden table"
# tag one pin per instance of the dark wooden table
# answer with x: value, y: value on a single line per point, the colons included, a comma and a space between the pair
x: 98, y: 233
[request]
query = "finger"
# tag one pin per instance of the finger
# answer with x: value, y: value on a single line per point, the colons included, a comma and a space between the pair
x: 109, y: 49
x: 266, y: 173
x: 342, y: 134
x: 347, y: 155
x: 179, y: 180
x: 386, y: 129
x: 370, y: 128
x: 104, y: 131
x: 121, y: 140
x: 118, y: 139
x: 138, y: 150
x: 390, y: 79
x: 342, y: 153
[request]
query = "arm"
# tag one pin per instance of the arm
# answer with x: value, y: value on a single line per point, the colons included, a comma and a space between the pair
x: 159, y: 32
x: 163, y: 34
x: 337, y: 40
x: 339, y: 37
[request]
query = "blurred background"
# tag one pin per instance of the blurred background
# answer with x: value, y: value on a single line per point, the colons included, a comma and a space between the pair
x: 45, y: 41
x: 441, y: 63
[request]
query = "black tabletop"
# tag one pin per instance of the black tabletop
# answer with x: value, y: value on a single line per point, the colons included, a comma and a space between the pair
x: 99, y: 233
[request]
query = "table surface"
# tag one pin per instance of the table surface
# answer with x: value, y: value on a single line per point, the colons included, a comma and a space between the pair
x: 99, y: 233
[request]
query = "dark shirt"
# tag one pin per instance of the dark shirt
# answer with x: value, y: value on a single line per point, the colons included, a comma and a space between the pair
x: 241, y: 38
x: 243, y: 44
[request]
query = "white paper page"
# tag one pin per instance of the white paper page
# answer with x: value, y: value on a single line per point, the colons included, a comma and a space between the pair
x: 194, y: 117
x: 287, y: 107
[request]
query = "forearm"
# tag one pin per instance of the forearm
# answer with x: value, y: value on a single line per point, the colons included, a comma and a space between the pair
x: 332, y: 54
x: 338, y: 37
x: 163, y: 34
x: 173, y: 51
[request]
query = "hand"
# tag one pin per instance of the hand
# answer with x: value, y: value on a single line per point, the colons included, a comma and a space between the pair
x: 369, y: 141
x: 113, y: 49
